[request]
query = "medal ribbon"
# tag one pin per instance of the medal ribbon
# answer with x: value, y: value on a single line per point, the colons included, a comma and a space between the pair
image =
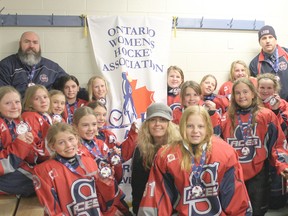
x: 274, y: 61
x: 70, y: 114
x: 71, y: 168
x: 46, y: 117
x: 196, y: 170
x: 96, y: 154
x: 245, y: 133
x: 11, y: 127
x: 31, y: 74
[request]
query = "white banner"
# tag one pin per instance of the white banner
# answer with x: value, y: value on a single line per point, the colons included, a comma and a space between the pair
x: 132, y: 54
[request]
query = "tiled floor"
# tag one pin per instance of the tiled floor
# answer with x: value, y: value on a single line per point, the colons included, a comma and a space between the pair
x: 280, y: 212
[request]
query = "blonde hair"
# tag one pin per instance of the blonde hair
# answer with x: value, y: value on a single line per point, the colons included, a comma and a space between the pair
x: 186, y: 156
x: 233, y: 64
x: 52, y: 93
x: 276, y: 83
x: 90, y: 84
x: 8, y: 89
x: 57, y: 128
x: 146, y: 145
x: 29, y: 94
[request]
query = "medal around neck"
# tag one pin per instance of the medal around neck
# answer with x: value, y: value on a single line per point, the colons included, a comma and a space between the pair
x: 115, y: 159
x: 57, y: 118
x: 197, y: 191
x: 273, y: 101
x: 102, y: 100
x: 105, y: 172
x: 22, y: 128
x: 31, y: 84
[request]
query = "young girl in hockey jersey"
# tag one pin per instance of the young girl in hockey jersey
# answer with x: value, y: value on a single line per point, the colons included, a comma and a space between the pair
x: 208, y: 85
x: 57, y: 105
x: 238, y: 70
x: 16, y: 145
x: 175, y: 77
x: 36, y: 105
x: 157, y: 130
x: 98, y: 89
x: 196, y: 175
x: 255, y: 133
x: 69, y: 85
x: 69, y: 183
x: 268, y: 89
x: 127, y: 147
x: 85, y: 122
x: 191, y: 96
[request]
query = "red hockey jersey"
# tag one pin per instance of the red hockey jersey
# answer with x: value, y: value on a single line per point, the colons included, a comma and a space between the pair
x: 171, y: 189
x: 39, y: 127
x: 63, y: 192
x: 266, y: 140
x: 70, y: 109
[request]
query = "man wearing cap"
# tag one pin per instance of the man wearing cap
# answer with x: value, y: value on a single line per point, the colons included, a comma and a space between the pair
x: 272, y: 59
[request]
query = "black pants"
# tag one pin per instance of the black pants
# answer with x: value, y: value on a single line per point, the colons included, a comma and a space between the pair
x: 258, y: 189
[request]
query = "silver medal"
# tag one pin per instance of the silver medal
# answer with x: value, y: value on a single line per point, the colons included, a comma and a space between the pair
x: 102, y: 100
x: 57, y: 118
x: 245, y: 151
x: 22, y: 128
x: 31, y: 84
x: 105, y: 172
x: 115, y: 159
x: 277, y: 78
x: 197, y: 191
x: 273, y: 101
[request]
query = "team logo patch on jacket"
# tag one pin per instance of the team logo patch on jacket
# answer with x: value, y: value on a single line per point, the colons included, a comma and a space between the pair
x: 44, y: 78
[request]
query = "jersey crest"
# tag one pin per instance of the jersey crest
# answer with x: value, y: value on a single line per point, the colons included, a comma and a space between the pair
x: 85, y: 201
x: 202, y: 205
x: 246, y: 149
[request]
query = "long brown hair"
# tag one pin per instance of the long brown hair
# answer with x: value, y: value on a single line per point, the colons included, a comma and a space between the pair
x: 232, y: 109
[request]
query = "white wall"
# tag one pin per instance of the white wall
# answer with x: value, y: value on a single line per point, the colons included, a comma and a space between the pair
x: 197, y: 52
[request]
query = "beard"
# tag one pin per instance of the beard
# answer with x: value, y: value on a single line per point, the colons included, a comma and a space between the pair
x: 29, y: 57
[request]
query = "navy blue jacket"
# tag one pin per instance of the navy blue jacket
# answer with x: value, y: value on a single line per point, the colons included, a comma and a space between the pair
x: 13, y: 72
